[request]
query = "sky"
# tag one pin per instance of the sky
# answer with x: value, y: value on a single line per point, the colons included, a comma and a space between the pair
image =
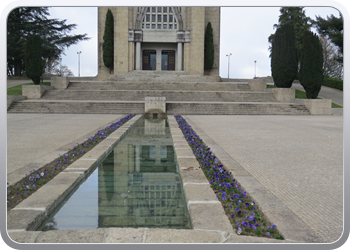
x: 244, y: 33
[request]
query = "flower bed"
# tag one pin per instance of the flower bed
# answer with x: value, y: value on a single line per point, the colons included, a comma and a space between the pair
x: 37, y: 178
x: 241, y: 210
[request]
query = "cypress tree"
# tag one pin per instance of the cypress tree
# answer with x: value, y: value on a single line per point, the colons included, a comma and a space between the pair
x: 284, y: 57
x: 34, y: 65
x: 108, y: 41
x: 311, y: 65
x: 208, y: 48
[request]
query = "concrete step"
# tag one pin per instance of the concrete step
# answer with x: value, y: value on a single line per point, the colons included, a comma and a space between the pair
x: 183, y: 108
x: 158, y: 76
x: 77, y: 107
x: 170, y: 95
x: 136, y: 85
x: 237, y: 108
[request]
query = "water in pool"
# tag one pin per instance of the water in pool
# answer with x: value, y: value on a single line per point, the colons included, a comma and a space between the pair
x: 137, y: 185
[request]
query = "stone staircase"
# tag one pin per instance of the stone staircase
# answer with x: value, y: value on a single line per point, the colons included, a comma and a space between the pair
x: 124, y: 94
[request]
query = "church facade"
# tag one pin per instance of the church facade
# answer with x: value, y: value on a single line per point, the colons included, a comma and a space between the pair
x: 159, y: 39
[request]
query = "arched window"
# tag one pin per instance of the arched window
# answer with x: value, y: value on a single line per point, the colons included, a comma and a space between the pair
x: 159, y: 18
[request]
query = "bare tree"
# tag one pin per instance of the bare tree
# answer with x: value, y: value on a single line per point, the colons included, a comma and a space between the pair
x: 55, y: 67
x: 332, y: 66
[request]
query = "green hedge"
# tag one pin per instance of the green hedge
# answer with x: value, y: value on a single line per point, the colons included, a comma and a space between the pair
x: 333, y: 83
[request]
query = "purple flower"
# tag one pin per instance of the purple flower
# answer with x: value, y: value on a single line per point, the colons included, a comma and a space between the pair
x: 239, y: 231
x: 251, y: 217
x: 273, y: 226
x: 268, y: 233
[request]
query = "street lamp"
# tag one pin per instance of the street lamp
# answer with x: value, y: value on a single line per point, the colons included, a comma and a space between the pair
x: 255, y: 70
x: 79, y: 62
x: 228, y: 71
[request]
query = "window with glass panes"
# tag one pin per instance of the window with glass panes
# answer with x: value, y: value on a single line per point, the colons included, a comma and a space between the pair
x: 161, y: 18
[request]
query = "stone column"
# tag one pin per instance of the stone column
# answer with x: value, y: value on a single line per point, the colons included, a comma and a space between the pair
x: 179, y: 57
x: 138, y: 55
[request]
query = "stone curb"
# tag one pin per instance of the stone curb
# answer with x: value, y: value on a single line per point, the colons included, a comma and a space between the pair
x: 289, y: 224
x: 133, y: 235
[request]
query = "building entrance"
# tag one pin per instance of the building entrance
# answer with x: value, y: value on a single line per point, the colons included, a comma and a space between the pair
x: 165, y: 59
x: 168, y: 60
x: 149, y: 60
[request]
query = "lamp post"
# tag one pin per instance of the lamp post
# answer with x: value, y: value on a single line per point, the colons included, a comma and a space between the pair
x: 228, y: 70
x: 255, y: 70
x: 79, y: 62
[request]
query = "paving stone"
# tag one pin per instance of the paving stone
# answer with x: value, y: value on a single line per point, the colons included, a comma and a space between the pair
x: 188, y: 163
x: 24, y: 237
x: 183, y: 152
x: 181, y: 236
x: 73, y: 236
x: 209, y: 216
x: 94, y: 154
x: 234, y: 238
x: 24, y: 219
x: 199, y: 192
x: 124, y: 235
x: 193, y: 176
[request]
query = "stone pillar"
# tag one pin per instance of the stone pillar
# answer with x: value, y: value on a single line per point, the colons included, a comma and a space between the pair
x: 138, y: 55
x: 179, y: 57
x: 155, y: 105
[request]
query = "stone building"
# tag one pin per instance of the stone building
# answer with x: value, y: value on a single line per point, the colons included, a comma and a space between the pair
x: 159, y: 39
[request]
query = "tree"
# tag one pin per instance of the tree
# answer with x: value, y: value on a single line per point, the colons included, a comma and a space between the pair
x: 25, y: 21
x: 208, y: 48
x: 34, y: 62
x: 332, y: 67
x: 311, y: 65
x: 108, y: 41
x: 332, y: 28
x: 284, y: 57
x: 55, y: 67
x: 296, y: 17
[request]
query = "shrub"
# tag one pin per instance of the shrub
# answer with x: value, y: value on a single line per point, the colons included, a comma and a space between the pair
x: 208, y: 48
x: 311, y: 65
x: 108, y: 41
x: 333, y: 83
x: 34, y: 66
x: 284, y: 57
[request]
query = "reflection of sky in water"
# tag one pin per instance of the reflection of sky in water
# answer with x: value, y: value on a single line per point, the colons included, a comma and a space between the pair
x: 82, y: 208
x: 137, y: 185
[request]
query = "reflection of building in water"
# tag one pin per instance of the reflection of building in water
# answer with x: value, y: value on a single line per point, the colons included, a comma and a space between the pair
x: 139, y: 184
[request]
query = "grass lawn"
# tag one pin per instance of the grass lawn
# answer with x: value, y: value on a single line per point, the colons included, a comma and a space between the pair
x: 302, y: 95
x: 17, y: 90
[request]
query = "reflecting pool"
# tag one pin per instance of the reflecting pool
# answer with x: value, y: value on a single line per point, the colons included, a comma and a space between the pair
x: 137, y: 185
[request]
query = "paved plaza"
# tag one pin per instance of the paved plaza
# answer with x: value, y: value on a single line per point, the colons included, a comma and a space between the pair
x: 299, y: 159
x: 36, y: 139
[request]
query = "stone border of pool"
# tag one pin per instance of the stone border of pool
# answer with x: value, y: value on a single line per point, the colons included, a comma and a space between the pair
x: 210, y: 224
